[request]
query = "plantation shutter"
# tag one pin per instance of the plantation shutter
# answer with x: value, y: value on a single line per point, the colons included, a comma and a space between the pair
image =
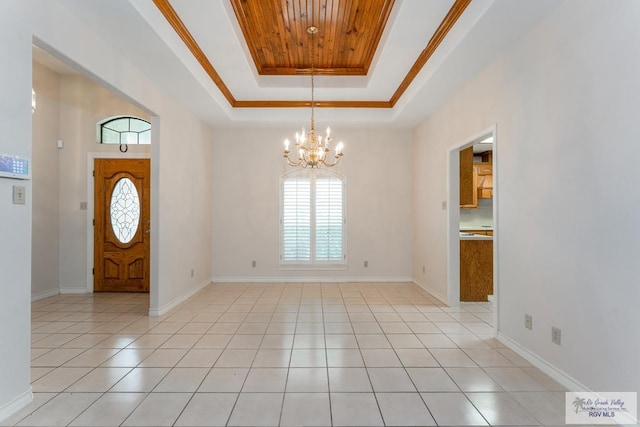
x: 296, y: 219
x: 329, y: 221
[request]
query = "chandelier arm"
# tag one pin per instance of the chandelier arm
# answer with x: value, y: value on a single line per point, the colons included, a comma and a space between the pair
x: 335, y: 162
x: 290, y: 162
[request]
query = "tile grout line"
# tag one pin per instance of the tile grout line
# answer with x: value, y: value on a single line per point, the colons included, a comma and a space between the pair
x: 392, y: 296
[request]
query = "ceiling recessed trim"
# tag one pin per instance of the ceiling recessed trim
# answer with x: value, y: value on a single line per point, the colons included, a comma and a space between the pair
x: 438, y: 36
x: 456, y: 10
x: 176, y: 23
x: 316, y: 104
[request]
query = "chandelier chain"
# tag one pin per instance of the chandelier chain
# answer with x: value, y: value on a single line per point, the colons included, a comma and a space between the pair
x: 312, y: 31
x: 312, y: 149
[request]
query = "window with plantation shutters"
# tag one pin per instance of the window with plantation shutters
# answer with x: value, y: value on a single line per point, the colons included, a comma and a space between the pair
x: 296, y: 219
x: 312, y: 219
x: 328, y: 204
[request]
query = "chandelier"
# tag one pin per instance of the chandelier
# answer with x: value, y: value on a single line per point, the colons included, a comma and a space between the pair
x: 312, y: 148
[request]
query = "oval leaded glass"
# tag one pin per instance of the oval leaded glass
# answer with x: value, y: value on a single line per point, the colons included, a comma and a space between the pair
x: 125, y: 210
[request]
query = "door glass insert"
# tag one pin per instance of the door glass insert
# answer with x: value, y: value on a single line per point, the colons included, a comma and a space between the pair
x: 125, y: 210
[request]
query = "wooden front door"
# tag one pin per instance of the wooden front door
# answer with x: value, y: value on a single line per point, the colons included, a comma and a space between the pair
x: 121, y: 227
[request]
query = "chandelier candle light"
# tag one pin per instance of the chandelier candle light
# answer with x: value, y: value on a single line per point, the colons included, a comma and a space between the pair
x: 312, y: 148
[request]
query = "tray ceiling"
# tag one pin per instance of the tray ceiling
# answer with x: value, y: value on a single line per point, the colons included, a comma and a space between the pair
x: 195, y: 50
x: 275, y: 34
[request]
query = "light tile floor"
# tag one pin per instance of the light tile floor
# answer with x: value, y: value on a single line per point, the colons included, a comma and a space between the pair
x: 342, y: 354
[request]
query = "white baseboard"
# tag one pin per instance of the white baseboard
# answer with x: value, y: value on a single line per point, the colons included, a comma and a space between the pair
x: 74, y: 290
x: 45, y: 294
x: 556, y: 374
x: 431, y: 291
x: 13, y: 406
x: 153, y: 312
x: 307, y: 279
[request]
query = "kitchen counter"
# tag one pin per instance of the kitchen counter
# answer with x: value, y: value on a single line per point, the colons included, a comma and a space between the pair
x: 471, y: 236
x: 474, y: 227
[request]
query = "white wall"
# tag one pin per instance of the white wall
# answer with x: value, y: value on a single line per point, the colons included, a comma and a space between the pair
x: 82, y: 104
x: 45, y: 239
x: 565, y: 102
x: 15, y: 220
x: 247, y: 165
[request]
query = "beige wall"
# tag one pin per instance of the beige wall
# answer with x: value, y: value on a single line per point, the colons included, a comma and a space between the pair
x: 69, y: 106
x: 83, y: 103
x: 185, y: 199
x: 566, y: 155
x: 247, y: 165
x: 45, y: 239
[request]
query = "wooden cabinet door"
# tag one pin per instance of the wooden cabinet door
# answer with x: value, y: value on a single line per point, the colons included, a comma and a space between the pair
x: 121, y: 225
x: 485, y: 187
x: 476, y: 270
x: 484, y: 168
x: 468, y: 179
x: 485, y: 180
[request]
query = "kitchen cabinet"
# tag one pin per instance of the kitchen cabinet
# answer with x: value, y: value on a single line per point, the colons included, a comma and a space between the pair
x: 476, y: 179
x: 476, y: 270
x: 487, y: 156
x: 468, y: 180
x: 484, y: 180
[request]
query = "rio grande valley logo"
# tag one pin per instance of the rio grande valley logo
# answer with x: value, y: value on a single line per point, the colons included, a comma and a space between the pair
x: 601, y: 408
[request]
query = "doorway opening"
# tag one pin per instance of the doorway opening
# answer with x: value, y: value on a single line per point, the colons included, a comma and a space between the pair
x: 473, y: 218
x: 71, y: 101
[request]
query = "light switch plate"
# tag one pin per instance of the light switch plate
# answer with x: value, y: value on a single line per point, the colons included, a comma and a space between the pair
x: 19, y: 195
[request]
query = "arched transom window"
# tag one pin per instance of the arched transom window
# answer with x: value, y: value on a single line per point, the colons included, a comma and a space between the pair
x: 124, y: 130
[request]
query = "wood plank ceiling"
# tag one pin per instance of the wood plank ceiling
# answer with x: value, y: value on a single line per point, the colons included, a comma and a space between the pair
x: 348, y: 34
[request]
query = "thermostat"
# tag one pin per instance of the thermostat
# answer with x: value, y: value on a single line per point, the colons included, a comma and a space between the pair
x: 15, y: 167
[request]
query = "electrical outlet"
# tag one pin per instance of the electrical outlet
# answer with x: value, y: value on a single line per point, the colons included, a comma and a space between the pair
x: 424, y: 270
x: 253, y: 264
x: 193, y: 272
x: 528, y: 321
x: 83, y: 206
x: 556, y: 335
x: 444, y: 205
x: 366, y: 264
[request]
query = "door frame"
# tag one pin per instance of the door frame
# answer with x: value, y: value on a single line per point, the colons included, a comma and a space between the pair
x: 91, y: 208
x: 453, y: 221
